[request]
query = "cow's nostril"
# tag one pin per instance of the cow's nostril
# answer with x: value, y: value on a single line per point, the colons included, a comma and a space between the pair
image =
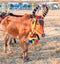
x: 43, y: 35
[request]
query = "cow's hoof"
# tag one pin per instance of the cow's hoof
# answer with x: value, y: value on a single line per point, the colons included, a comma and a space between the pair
x: 26, y: 60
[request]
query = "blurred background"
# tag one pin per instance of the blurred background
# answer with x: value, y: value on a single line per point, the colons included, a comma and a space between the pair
x: 18, y: 5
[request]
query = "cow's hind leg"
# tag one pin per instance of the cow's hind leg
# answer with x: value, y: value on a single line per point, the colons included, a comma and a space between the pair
x: 5, y: 43
x: 10, y: 41
x: 8, y: 44
x: 14, y: 40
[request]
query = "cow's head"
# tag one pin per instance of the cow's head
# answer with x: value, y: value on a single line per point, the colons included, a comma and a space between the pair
x: 40, y: 26
x: 40, y: 20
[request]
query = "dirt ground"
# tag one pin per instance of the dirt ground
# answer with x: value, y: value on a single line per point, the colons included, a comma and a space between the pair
x: 47, y: 51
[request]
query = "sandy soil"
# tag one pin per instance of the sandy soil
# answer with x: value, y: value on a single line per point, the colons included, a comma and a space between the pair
x: 47, y: 51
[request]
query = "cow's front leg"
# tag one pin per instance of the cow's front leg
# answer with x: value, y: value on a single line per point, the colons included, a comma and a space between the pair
x: 25, y: 52
x: 24, y: 47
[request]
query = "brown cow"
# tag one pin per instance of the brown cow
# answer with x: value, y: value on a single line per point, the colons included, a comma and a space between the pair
x: 20, y: 27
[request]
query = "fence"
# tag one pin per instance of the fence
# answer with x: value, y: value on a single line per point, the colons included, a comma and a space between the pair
x: 26, y: 6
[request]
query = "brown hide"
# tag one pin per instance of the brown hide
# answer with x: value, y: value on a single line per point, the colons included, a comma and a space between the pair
x: 6, y: 21
x: 21, y: 27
